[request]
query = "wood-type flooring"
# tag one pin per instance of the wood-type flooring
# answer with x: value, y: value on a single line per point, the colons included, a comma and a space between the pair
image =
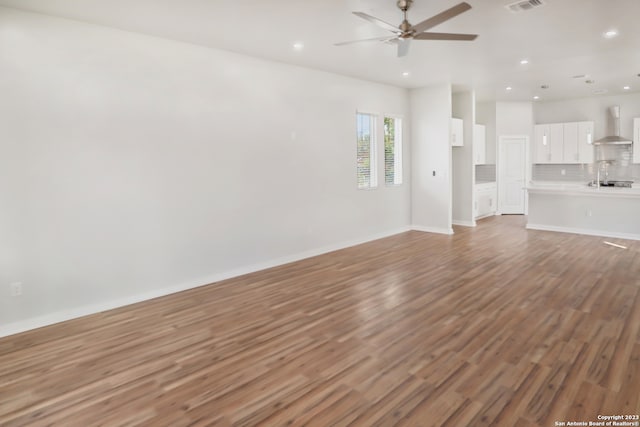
x: 495, y: 325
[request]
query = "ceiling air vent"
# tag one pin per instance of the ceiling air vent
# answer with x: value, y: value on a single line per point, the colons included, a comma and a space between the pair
x: 524, y: 5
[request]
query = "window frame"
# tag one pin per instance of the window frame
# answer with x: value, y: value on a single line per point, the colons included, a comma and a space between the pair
x: 373, y: 149
x: 398, y: 155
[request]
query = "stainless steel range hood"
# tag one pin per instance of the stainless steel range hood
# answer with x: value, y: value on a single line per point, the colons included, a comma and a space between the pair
x: 614, y: 139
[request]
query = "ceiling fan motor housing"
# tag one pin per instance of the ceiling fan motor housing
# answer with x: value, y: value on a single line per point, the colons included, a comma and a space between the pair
x: 406, y: 28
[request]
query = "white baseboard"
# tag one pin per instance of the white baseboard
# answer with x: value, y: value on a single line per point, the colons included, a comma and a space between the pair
x: 464, y: 223
x: 586, y: 231
x: 487, y: 215
x: 73, y: 313
x: 436, y: 230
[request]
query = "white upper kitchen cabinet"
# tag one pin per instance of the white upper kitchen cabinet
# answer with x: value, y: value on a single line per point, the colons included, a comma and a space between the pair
x: 585, y: 142
x: 457, y: 132
x: 549, y: 143
x: 564, y: 143
x: 479, y: 144
x: 556, y: 143
x: 541, y: 144
x: 570, y: 142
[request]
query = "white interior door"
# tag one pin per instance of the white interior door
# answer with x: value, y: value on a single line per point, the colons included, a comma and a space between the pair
x: 512, y: 173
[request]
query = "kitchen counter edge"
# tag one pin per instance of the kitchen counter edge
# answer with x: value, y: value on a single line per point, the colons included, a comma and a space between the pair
x: 581, y: 189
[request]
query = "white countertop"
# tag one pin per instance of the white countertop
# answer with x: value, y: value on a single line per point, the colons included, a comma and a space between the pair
x: 581, y: 189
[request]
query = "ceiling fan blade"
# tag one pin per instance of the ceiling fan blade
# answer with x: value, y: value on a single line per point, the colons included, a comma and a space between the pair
x: 441, y: 17
x: 381, y: 39
x: 378, y: 22
x: 403, y: 47
x: 445, y: 36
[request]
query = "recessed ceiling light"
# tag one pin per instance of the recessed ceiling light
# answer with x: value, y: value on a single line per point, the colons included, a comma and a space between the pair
x: 626, y: 87
x: 536, y: 97
x: 298, y: 46
x: 611, y: 33
x: 524, y: 61
x: 405, y: 74
x: 508, y: 88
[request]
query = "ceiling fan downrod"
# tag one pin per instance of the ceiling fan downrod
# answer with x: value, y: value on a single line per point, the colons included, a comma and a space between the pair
x: 405, y: 26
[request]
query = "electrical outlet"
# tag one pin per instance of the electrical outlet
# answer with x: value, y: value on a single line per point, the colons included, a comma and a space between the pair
x: 16, y: 289
x: 589, y: 213
x: 563, y: 172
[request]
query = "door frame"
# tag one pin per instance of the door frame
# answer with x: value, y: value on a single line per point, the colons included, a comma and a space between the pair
x: 527, y: 167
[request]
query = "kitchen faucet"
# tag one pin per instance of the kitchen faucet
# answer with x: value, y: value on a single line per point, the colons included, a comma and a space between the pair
x: 606, y: 164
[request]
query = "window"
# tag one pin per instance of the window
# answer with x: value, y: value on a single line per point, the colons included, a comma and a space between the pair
x: 392, y: 151
x: 366, y: 151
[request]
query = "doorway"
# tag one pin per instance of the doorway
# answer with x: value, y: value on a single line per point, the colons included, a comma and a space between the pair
x: 512, y: 174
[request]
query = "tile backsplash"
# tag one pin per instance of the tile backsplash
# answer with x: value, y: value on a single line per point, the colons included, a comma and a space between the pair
x: 585, y: 173
x: 485, y: 173
x: 614, y: 160
x: 562, y: 172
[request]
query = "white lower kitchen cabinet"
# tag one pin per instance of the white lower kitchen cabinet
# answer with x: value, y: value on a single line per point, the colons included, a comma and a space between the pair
x: 486, y: 199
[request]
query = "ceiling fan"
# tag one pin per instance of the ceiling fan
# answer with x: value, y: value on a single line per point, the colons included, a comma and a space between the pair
x: 406, y: 32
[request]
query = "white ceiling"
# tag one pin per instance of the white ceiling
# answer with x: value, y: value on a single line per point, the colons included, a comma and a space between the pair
x: 561, y: 39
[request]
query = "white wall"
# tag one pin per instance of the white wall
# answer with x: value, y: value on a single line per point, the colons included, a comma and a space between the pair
x: 504, y: 118
x: 463, y: 169
x: 486, y: 115
x: 133, y: 166
x: 591, y: 109
x: 431, y: 159
x: 514, y: 118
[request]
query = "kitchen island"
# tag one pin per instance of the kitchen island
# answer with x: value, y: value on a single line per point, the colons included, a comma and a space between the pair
x: 579, y: 208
